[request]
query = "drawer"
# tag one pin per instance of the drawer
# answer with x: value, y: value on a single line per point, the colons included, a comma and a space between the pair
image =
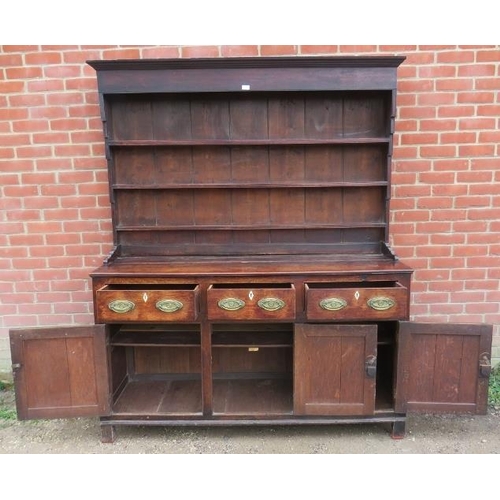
x: 251, y: 302
x: 345, y: 301
x: 147, y: 303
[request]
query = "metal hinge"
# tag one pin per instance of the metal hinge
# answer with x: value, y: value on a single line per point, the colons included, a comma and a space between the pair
x: 484, y: 365
x: 15, y: 368
x: 371, y: 366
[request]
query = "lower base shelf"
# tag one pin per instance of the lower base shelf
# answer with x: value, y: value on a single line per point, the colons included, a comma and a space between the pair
x: 160, y: 397
x: 252, y: 397
x: 236, y: 401
x: 264, y: 399
x: 259, y: 397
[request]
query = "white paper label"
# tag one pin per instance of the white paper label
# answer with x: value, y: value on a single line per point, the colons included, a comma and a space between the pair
x: 245, y: 87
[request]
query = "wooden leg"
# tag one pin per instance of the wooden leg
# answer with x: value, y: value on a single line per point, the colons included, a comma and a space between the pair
x: 398, y: 429
x: 107, y: 433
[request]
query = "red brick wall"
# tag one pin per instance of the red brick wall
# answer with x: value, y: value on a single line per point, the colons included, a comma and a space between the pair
x: 54, y: 210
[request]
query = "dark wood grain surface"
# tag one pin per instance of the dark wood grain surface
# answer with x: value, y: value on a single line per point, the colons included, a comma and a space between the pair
x: 60, y: 372
x: 439, y: 367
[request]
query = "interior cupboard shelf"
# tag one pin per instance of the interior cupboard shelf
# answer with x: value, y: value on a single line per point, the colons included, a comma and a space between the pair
x: 253, y: 397
x: 159, y: 397
x: 156, y: 339
x: 252, y: 339
x: 156, y: 335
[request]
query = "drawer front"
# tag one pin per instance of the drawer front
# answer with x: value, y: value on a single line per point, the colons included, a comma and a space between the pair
x: 252, y: 304
x: 387, y: 303
x: 118, y: 306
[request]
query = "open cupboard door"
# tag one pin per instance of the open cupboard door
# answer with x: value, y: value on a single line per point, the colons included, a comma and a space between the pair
x: 443, y: 368
x: 60, y: 372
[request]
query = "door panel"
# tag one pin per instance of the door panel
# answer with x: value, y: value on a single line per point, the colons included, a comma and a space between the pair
x: 331, y: 376
x: 443, y: 367
x: 60, y: 372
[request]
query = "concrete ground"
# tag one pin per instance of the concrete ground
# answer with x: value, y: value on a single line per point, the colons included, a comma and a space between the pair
x: 432, y: 434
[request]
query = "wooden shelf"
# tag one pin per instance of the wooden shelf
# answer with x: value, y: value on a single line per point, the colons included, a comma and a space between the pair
x: 247, y: 227
x: 156, y: 339
x: 252, y: 339
x: 250, y: 185
x: 341, y: 251
x: 156, y: 335
x: 248, y: 142
x: 253, y: 397
x: 159, y: 397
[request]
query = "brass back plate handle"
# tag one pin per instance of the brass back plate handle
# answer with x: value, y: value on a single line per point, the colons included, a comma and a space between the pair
x: 169, y: 305
x: 381, y: 303
x: 333, y: 304
x: 231, y: 304
x: 121, y: 306
x: 271, y: 304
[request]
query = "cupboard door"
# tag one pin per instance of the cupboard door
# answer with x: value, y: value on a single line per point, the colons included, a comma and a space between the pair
x: 443, y: 367
x: 334, y: 369
x: 60, y: 372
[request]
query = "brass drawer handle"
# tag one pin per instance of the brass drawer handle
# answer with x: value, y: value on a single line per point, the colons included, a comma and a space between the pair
x: 169, y: 305
x: 231, y: 304
x: 381, y: 303
x: 333, y: 304
x: 271, y: 304
x: 121, y: 306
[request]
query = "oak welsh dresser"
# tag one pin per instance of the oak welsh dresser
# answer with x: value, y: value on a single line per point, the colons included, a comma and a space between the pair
x: 251, y: 280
